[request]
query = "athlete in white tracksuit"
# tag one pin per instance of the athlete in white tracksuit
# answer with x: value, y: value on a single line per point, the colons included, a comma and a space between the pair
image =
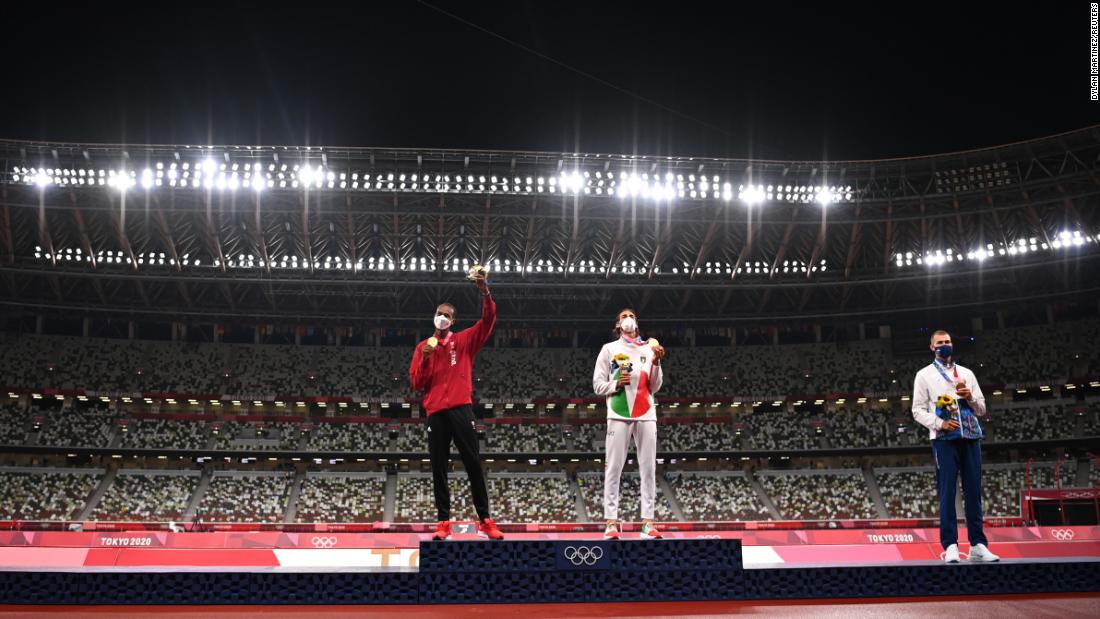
x: 628, y: 372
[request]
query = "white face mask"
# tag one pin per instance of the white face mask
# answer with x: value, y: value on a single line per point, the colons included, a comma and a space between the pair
x: 628, y: 325
x: 442, y: 323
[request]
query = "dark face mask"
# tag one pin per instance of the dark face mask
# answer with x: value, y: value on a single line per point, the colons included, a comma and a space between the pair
x: 945, y: 351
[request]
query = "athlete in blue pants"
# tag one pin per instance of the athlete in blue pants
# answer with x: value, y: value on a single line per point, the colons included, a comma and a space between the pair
x: 955, y: 458
x: 948, y: 401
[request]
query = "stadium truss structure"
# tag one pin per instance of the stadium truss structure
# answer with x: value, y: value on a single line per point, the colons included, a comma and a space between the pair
x: 333, y: 235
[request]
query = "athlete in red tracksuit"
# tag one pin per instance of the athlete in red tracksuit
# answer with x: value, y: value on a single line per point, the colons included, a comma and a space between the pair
x: 443, y: 372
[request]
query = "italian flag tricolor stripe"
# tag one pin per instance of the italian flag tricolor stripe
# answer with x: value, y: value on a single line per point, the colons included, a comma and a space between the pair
x: 641, y: 396
x: 618, y: 401
x: 633, y: 401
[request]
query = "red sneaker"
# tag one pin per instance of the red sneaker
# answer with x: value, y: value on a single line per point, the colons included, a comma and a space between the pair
x: 488, y: 528
x: 650, y: 532
x: 442, y: 530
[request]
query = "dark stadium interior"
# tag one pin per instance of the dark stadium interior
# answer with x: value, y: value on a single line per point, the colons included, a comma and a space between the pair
x: 226, y: 227
x: 168, y: 348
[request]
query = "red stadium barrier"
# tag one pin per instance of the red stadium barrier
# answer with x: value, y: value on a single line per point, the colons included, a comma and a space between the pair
x: 536, y: 527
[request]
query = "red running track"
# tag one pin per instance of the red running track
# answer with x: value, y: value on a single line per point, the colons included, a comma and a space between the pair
x: 1003, y: 607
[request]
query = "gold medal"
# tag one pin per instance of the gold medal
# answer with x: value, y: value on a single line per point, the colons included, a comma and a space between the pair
x: 477, y: 271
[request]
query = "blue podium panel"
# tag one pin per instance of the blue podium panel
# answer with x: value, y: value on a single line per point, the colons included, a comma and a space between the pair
x: 555, y: 571
x: 208, y: 588
x: 922, y: 580
x: 580, y: 571
x: 507, y: 556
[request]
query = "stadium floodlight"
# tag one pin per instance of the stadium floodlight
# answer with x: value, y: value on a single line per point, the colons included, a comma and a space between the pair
x: 42, y: 179
x: 573, y: 182
x: 122, y: 181
x: 305, y: 175
x: 751, y: 195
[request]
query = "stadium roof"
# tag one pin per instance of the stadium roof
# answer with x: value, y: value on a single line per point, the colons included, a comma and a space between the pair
x: 383, y: 234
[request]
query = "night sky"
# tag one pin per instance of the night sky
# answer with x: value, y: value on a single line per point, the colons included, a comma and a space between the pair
x: 716, y: 79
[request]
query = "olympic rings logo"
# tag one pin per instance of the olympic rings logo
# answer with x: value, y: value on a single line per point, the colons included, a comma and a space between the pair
x: 1063, y: 535
x: 324, y: 542
x: 583, y: 555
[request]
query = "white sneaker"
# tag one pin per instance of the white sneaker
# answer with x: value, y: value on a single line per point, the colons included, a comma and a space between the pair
x: 951, y: 555
x: 980, y: 554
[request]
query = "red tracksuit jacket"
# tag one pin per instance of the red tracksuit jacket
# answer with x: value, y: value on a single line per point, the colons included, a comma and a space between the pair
x: 446, y: 375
